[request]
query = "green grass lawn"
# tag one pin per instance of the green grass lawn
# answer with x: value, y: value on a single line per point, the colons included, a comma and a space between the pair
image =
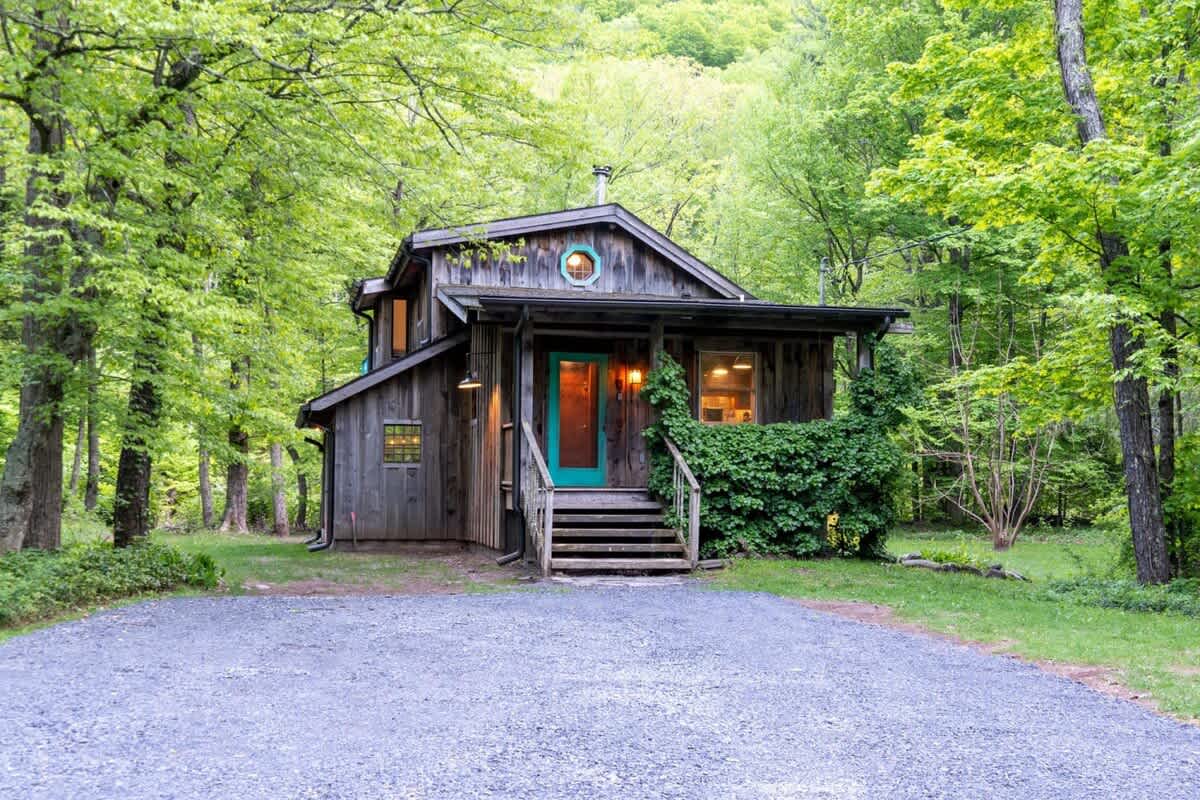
x: 1154, y: 653
x: 253, y: 560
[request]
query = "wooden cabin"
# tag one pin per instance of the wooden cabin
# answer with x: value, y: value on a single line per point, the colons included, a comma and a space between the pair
x: 500, y: 405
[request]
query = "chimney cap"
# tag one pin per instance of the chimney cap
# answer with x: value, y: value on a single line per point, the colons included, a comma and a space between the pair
x: 602, y: 169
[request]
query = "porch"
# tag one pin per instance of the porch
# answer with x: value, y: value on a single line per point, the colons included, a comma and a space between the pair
x: 557, y: 387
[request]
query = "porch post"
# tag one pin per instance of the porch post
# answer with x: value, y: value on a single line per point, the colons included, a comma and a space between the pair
x: 524, y: 409
x: 866, y: 353
x: 656, y: 343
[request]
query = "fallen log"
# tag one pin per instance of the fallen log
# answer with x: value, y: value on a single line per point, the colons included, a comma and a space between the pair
x: 993, y: 571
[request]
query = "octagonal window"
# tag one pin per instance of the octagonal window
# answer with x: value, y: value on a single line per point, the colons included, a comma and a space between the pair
x: 580, y: 265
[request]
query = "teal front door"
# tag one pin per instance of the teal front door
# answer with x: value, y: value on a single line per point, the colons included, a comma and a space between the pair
x: 575, y: 425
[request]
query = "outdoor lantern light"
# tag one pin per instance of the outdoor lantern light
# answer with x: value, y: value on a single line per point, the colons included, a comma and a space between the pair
x: 635, y: 378
x: 470, y: 380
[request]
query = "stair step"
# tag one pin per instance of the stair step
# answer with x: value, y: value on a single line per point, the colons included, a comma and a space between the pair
x: 606, y: 519
x: 616, y: 547
x: 619, y: 563
x: 584, y: 506
x: 613, y: 533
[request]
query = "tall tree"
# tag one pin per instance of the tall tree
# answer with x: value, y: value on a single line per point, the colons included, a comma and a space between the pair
x: 1131, y: 393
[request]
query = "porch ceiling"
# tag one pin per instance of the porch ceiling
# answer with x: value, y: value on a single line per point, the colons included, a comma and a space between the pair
x: 500, y: 303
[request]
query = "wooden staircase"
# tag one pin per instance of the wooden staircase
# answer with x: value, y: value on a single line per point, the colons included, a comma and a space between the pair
x: 613, y: 530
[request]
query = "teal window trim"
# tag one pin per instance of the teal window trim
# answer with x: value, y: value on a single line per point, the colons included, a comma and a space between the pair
x: 590, y: 253
x: 577, y: 476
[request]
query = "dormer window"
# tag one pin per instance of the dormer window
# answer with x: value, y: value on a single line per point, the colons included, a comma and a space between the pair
x: 580, y: 265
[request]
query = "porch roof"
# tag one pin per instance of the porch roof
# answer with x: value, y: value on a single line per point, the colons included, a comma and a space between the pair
x: 317, y: 410
x: 500, y: 303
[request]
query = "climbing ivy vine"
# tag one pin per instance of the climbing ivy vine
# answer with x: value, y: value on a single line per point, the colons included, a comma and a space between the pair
x: 769, y: 489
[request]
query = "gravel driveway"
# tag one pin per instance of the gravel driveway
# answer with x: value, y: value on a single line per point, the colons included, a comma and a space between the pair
x: 581, y: 693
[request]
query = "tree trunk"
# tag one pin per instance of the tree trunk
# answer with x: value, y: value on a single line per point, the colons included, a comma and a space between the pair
x: 238, y: 472
x: 31, y: 489
x: 1167, y: 400
x: 301, y: 490
x: 131, y: 500
x: 234, y: 517
x: 91, y: 490
x: 1131, y: 395
x: 278, y: 495
x: 77, y: 459
x: 954, y: 306
x: 31, y: 486
x: 206, y: 500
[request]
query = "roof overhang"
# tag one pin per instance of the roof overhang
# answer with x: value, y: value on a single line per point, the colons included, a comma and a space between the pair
x: 367, y: 291
x: 567, y: 308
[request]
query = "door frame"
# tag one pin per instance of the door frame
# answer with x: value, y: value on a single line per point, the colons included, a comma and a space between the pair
x: 577, y: 476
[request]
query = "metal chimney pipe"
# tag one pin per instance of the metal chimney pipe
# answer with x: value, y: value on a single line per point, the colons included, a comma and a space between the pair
x: 821, y: 273
x: 601, y: 173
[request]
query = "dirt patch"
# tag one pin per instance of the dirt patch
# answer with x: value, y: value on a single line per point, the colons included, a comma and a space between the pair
x: 442, y: 571
x: 1101, y: 679
x: 1185, y: 671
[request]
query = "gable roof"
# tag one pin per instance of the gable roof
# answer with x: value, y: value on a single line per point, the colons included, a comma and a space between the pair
x: 612, y: 214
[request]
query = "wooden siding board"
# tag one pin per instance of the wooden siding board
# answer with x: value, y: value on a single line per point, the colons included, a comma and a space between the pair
x: 404, y: 502
x: 627, y: 266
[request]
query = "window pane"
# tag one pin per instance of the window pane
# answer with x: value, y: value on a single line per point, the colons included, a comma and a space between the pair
x: 578, y: 412
x: 727, y: 388
x: 399, y: 327
x: 402, y: 444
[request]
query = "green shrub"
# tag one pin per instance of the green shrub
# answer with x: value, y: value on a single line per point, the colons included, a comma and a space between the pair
x: 959, y: 556
x: 768, y: 489
x: 1180, y: 596
x: 38, y: 583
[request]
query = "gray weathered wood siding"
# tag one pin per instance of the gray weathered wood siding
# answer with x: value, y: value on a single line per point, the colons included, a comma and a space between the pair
x: 627, y: 266
x: 415, y: 502
x: 795, y: 374
x: 416, y: 332
x: 483, y: 517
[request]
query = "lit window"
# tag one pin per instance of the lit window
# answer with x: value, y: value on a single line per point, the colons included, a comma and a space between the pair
x: 580, y: 265
x: 399, y: 327
x: 402, y: 443
x: 727, y: 383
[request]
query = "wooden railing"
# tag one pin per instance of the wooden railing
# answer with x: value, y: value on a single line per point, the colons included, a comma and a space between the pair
x: 686, y: 504
x: 537, y: 500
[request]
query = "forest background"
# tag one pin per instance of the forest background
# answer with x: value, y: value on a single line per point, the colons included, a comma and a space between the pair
x: 189, y: 191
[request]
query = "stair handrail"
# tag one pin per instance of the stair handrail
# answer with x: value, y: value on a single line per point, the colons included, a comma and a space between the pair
x: 686, y: 503
x: 537, y: 500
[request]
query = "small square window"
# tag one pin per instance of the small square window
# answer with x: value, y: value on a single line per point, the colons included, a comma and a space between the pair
x: 402, y: 443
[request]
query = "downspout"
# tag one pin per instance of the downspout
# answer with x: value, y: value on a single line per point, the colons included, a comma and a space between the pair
x: 321, y: 448
x: 370, y: 336
x: 518, y: 435
x: 330, y: 450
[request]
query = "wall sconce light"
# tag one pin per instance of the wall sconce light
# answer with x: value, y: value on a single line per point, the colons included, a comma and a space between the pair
x: 635, y: 378
x: 470, y: 380
x: 471, y: 377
